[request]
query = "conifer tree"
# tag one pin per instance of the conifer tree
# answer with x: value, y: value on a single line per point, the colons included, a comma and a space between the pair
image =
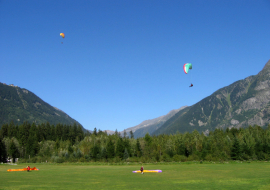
x: 4, y: 131
x: 13, y: 151
x: 47, y: 131
x: 53, y: 136
x: 110, y: 149
x: 70, y: 149
x: 99, y: 132
x: 32, y: 141
x: 235, y: 150
x: 42, y: 132
x: 180, y: 147
x: 23, y: 134
x: 57, y: 144
x: 11, y: 130
x: 59, y: 131
x: 131, y: 134
x: 126, y: 155
x: 116, y: 132
x: 65, y: 132
x: 32, y: 145
x: 120, y: 148
x: 95, y: 132
x: 72, y: 133
x: 104, y: 153
x: 138, y: 149
x: 80, y: 133
x: 125, y: 134
x: 3, y: 152
x: 148, y: 139
x: 95, y: 152
x: 127, y: 145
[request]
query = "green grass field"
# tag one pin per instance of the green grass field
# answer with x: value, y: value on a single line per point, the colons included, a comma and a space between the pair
x: 254, y: 175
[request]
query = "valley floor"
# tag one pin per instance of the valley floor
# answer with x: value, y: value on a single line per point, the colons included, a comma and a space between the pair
x: 193, y: 175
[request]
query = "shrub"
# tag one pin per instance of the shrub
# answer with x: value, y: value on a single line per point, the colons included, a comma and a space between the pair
x: 193, y: 157
x: 117, y: 159
x: 134, y: 159
x: 82, y: 159
x: 58, y: 159
x: 179, y: 158
x: 33, y: 160
x: 166, y: 158
x: 145, y: 159
x: 208, y: 157
x: 245, y: 156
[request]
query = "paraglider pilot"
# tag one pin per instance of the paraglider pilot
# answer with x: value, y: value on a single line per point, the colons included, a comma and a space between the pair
x: 187, y: 67
x: 142, y: 170
x: 28, y: 168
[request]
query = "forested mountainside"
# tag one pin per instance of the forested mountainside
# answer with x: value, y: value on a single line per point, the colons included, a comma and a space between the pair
x: 20, y: 105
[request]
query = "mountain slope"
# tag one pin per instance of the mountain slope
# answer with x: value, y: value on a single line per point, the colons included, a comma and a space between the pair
x: 243, y: 103
x: 151, y: 125
x: 19, y: 105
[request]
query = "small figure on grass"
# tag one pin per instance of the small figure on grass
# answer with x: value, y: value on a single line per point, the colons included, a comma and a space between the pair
x: 142, y: 170
x: 28, y: 168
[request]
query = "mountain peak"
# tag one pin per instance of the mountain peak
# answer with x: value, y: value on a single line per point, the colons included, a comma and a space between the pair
x: 264, y: 74
x: 243, y: 103
x: 266, y: 66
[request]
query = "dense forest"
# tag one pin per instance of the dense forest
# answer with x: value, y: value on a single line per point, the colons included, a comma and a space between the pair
x: 68, y: 143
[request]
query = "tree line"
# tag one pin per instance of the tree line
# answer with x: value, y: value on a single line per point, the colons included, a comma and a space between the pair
x: 68, y: 143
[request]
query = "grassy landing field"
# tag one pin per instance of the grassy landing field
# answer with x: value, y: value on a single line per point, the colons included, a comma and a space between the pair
x: 255, y: 175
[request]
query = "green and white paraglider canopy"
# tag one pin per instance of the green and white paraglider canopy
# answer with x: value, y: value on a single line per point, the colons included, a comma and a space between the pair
x: 186, y: 67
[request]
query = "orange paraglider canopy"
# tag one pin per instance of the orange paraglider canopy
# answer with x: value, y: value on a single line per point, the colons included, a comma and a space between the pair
x: 24, y: 169
x: 62, y: 34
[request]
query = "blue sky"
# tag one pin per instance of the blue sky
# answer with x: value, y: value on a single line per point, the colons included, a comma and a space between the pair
x: 121, y: 61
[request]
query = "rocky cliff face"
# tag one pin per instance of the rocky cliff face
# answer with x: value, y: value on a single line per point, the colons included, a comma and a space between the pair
x: 243, y: 103
x: 257, y: 102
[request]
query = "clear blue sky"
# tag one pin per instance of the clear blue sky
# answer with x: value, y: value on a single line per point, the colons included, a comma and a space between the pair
x: 122, y: 60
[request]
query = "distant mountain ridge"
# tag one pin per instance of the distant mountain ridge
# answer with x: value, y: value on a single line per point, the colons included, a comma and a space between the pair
x: 149, y: 126
x: 109, y: 132
x: 19, y: 105
x: 243, y: 103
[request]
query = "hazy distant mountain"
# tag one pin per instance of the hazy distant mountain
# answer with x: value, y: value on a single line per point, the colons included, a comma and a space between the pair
x: 243, y: 103
x: 151, y: 125
x: 19, y: 105
x: 109, y: 132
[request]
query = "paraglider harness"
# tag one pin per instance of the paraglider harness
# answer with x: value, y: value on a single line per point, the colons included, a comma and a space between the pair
x: 191, y: 85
